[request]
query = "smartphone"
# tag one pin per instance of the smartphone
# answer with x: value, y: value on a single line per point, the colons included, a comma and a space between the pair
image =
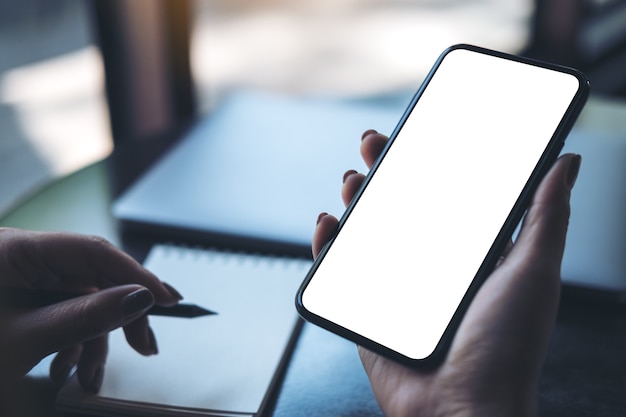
x: 438, y: 207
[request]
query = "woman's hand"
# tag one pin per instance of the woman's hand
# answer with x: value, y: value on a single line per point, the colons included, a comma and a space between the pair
x: 118, y: 291
x: 495, y: 360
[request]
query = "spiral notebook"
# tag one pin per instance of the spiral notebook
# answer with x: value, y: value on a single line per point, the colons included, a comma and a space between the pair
x: 219, y: 365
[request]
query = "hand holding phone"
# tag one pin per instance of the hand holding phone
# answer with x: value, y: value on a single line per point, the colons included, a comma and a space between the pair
x: 402, y: 269
x: 494, y: 364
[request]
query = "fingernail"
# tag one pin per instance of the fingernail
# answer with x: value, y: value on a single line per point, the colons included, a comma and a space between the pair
x: 574, y: 168
x: 321, y: 216
x: 172, y: 291
x: 96, y: 381
x: 348, y: 173
x: 137, y: 301
x: 367, y: 133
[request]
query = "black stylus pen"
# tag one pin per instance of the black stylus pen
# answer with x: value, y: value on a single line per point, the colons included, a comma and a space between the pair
x: 32, y: 298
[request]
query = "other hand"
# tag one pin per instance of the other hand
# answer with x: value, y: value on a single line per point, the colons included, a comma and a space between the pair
x: 118, y: 291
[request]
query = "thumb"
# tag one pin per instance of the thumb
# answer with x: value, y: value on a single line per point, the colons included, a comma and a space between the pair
x: 531, y: 271
x: 505, y: 333
x: 525, y: 288
x: 53, y: 328
x: 542, y: 235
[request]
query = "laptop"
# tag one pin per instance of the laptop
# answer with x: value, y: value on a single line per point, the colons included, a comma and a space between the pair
x: 256, y: 173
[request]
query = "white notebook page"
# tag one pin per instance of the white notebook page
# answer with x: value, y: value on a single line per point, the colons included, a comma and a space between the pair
x: 212, y: 365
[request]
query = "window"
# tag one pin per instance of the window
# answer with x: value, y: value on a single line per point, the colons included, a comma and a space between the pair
x: 340, y: 47
x: 53, y: 117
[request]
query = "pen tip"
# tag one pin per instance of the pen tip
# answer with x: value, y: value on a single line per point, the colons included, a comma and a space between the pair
x: 200, y: 311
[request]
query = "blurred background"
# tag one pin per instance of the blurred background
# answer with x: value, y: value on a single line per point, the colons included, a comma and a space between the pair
x: 54, y: 117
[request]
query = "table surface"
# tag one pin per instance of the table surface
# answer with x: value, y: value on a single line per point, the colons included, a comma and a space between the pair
x: 583, y: 374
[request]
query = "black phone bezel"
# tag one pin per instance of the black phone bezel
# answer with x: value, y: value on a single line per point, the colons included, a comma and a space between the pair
x: 550, y: 154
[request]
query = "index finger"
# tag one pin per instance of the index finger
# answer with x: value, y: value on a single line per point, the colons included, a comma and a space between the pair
x: 72, y: 262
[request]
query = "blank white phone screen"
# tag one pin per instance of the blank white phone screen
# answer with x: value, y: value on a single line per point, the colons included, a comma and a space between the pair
x: 413, y: 243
